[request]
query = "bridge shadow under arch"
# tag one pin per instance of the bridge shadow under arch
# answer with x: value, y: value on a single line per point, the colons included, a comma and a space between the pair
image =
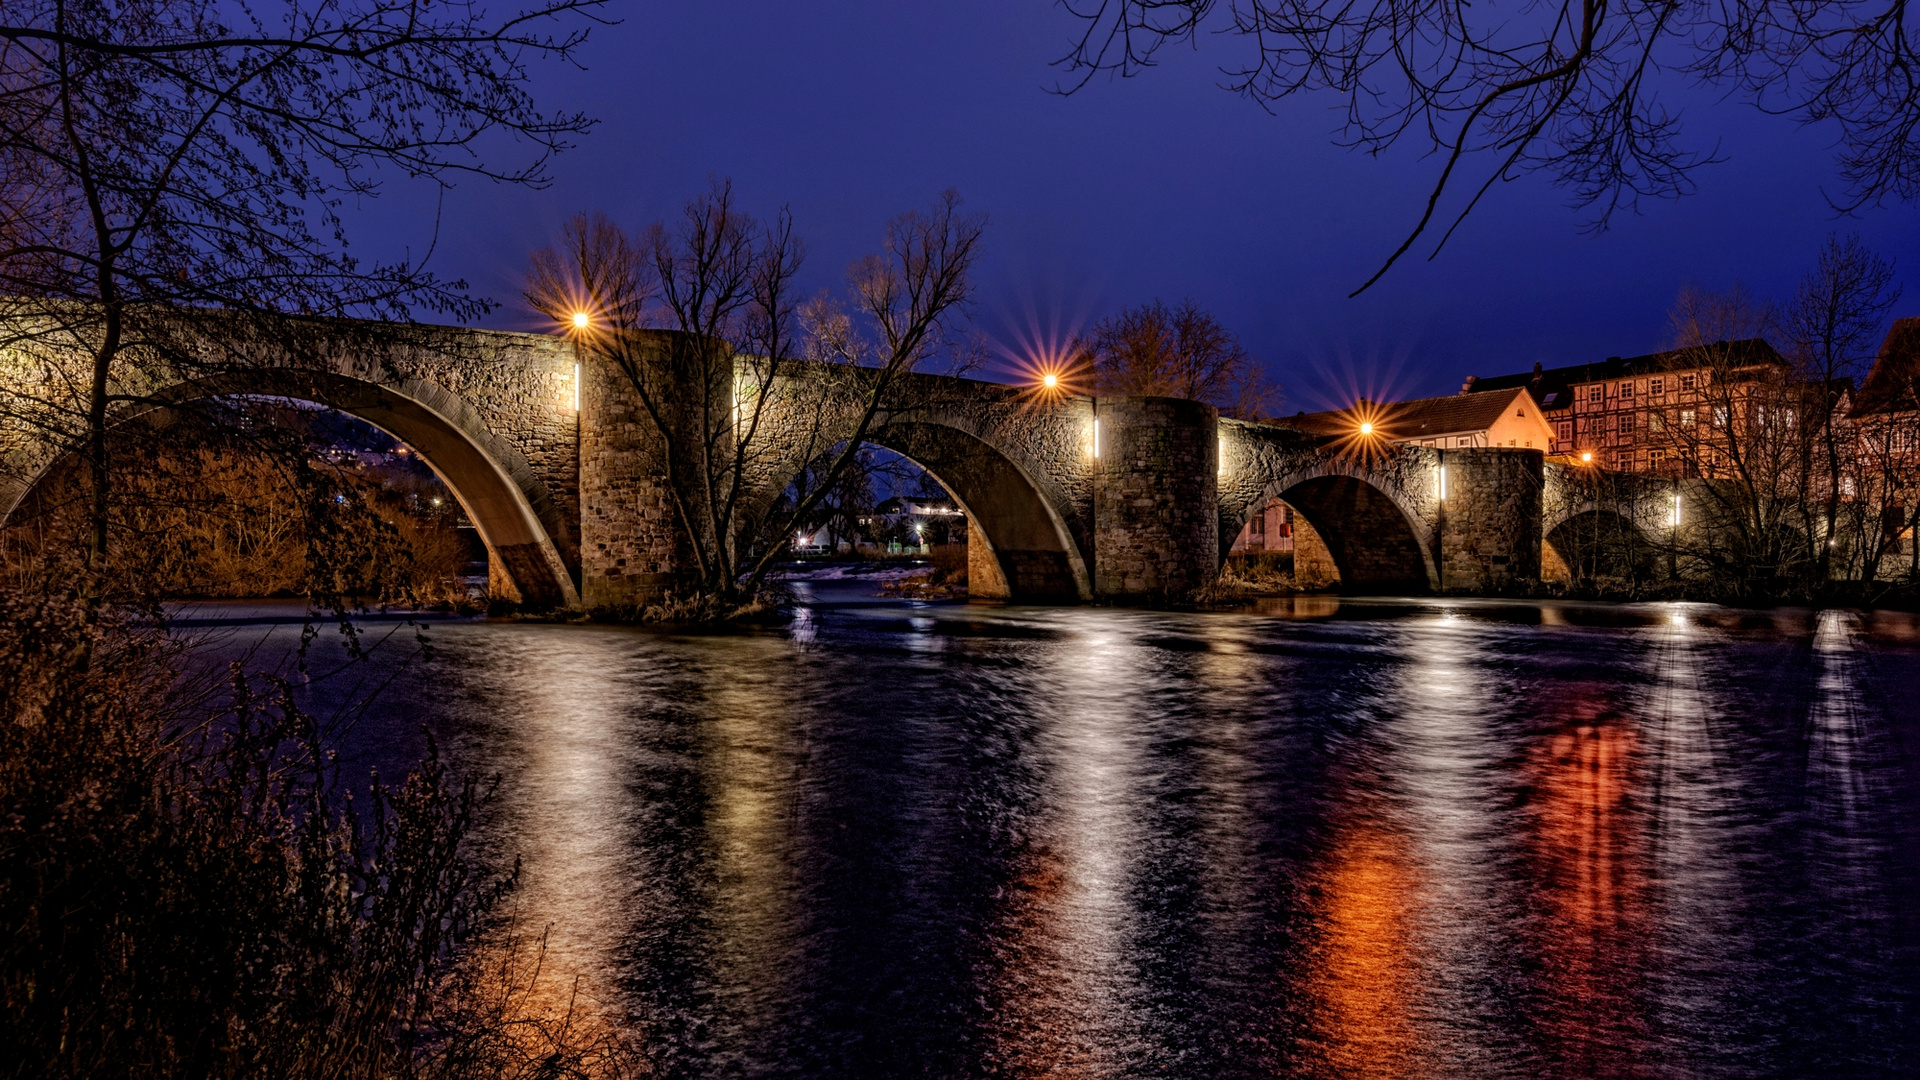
x: 509, y: 507
x: 1375, y: 543
x: 1595, y: 543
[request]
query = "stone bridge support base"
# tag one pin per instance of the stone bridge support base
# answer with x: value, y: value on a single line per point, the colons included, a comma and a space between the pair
x: 1156, y: 519
x: 632, y: 550
x: 1489, y: 519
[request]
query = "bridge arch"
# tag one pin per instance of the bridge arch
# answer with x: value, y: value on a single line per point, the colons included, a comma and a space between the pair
x: 1030, y: 552
x: 1379, y: 543
x: 1022, y: 539
x: 1591, y: 540
x: 510, y: 507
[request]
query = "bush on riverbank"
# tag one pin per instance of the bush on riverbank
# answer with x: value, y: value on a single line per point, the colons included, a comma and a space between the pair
x: 186, y: 889
x: 770, y: 604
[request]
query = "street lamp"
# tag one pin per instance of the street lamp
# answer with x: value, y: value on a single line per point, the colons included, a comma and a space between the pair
x: 1050, y: 381
x: 1586, y: 457
x: 1366, y: 427
x: 580, y: 320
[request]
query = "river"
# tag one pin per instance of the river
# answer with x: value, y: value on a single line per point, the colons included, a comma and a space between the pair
x: 1425, y: 838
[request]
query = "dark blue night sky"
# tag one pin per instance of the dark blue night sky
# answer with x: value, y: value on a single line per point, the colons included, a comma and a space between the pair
x: 1162, y: 185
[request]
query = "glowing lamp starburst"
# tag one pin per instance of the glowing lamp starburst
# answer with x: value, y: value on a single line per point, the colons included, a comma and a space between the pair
x: 580, y: 320
x: 1050, y: 381
x: 1366, y: 427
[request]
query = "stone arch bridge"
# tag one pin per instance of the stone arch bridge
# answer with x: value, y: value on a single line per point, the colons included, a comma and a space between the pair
x: 1068, y: 498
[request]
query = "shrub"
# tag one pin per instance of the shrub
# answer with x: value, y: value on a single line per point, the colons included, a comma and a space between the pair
x: 186, y: 889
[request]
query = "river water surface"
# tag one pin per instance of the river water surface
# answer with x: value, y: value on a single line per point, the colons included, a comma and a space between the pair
x: 1425, y: 838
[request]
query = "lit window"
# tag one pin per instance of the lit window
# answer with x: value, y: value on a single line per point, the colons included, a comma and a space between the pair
x: 1686, y: 417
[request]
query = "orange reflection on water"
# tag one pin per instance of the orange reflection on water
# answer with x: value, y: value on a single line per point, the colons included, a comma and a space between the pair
x: 1035, y: 1027
x: 1590, y: 856
x: 1361, y: 977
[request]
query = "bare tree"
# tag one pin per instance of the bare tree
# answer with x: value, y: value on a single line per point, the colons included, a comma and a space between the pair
x: 1831, y: 327
x: 742, y: 353
x: 1183, y: 352
x: 1746, y: 430
x: 161, y: 160
x: 1571, y: 89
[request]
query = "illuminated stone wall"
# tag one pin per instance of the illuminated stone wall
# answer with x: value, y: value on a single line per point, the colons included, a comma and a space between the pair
x: 1155, y: 498
x: 576, y: 506
x: 1489, y: 528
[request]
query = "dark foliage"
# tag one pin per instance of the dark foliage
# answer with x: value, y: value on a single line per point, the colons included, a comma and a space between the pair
x: 187, y: 889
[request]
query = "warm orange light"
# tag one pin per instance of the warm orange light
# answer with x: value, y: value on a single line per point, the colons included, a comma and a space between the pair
x: 1050, y: 381
x: 1366, y: 427
x: 1586, y: 458
x: 580, y: 320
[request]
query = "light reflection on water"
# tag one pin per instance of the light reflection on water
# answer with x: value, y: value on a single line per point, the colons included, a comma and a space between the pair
x: 1332, y: 839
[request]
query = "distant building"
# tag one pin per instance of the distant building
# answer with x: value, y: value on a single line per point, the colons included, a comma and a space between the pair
x: 1271, y: 528
x: 1885, y: 415
x: 1890, y: 394
x: 916, y: 521
x: 1505, y: 417
x: 1629, y: 413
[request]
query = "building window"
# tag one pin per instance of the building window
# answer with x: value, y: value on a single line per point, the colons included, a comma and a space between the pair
x: 1656, y: 459
x: 1563, y: 430
x: 1626, y: 389
x: 1656, y: 386
x: 1656, y: 420
x: 1687, y: 417
x: 1597, y: 393
x: 1626, y: 423
x: 1719, y: 416
x: 1686, y: 382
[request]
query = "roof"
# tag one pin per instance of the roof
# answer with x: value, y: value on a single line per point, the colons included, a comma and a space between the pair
x: 1551, y: 386
x: 917, y: 504
x: 1424, y: 418
x: 1894, y: 383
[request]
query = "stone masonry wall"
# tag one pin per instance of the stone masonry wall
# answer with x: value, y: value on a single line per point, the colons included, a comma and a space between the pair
x: 1490, y: 525
x: 631, y: 548
x: 1155, y: 497
x: 1313, y: 566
